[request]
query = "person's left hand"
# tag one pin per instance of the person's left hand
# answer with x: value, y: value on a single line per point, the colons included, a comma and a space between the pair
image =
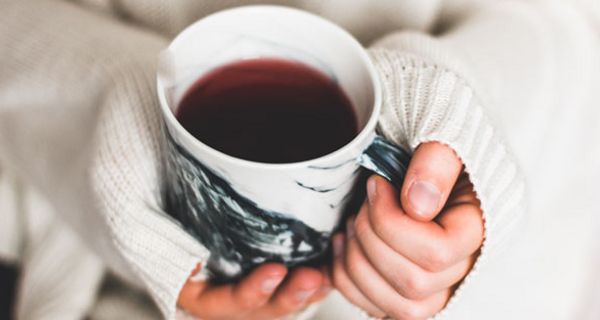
x: 404, y: 257
x: 268, y: 292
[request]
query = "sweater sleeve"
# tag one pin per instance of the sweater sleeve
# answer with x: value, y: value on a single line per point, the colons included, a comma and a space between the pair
x: 481, y: 84
x: 79, y: 120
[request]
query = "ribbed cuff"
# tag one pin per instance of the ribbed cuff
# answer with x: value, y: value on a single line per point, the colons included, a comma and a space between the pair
x: 423, y: 102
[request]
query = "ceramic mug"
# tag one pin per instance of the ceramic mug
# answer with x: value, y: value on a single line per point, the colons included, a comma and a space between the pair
x: 246, y: 213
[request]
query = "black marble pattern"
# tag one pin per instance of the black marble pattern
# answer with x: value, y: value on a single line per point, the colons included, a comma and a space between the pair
x: 237, y: 231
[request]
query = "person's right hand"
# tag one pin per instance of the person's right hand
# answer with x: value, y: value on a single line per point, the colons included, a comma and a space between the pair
x: 263, y: 294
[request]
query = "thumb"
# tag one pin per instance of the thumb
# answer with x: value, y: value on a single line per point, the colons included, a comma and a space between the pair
x: 430, y: 177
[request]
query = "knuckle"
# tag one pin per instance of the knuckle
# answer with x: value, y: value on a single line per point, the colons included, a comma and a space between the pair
x: 289, y: 304
x: 285, y: 301
x: 249, y: 303
x: 414, y: 311
x: 408, y: 311
x: 285, y: 307
x: 438, y: 258
x: 416, y: 286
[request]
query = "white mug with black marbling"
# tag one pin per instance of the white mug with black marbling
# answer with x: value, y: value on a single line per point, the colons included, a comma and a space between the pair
x: 245, y: 212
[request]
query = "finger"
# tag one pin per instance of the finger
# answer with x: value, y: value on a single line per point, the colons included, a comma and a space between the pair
x: 409, y: 279
x: 463, y: 193
x: 274, y: 309
x: 344, y: 285
x: 463, y: 229
x: 251, y: 292
x: 295, y: 293
x: 430, y: 245
x: 432, y: 172
x: 325, y: 288
x: 380, y: 293
x: 255, y: 291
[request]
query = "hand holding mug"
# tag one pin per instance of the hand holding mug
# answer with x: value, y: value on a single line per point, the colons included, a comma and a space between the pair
x: 247, y: 209
x: 230, y: 87
x: 403, y: 256
x: 266, y: 293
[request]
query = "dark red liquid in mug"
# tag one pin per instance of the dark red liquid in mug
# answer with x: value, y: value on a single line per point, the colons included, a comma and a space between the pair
x: 268, y: 110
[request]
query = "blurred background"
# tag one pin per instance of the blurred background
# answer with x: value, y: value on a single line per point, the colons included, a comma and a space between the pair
x: 555, y: 263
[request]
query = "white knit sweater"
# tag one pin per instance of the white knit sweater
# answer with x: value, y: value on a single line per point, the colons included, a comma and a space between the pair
x: 512, y: 86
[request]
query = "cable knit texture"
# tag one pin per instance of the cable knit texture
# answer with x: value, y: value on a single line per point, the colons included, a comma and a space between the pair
x: 511, y: 86
x: 427, y: 102
x: 125, y: 171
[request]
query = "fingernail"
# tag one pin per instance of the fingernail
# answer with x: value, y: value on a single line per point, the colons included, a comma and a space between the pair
x: 338, y: 246
x: 301, y: 296
x: 271, y: 283
x: 371, y: 189
x: 423, y: 197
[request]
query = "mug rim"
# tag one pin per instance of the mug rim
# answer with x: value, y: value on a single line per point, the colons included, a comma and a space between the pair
x: 364, y: 133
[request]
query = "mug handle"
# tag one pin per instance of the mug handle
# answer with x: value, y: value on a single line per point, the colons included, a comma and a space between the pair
x: 386, y: 159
